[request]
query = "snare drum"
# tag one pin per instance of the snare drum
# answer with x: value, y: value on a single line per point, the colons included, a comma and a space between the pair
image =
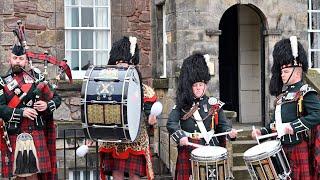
x: 111, y: 103
x: 209, y: 162
x: 267, y: 161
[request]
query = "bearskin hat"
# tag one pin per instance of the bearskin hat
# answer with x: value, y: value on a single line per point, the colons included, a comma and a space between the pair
x: 124, y: 50
x: 17, y: 50
x: 194, y: 69
x: 286, y: 53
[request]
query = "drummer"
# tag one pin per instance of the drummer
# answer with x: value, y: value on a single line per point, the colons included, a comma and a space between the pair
x: 297, y: 106
x: 132, y: 159
x: 195, y: 117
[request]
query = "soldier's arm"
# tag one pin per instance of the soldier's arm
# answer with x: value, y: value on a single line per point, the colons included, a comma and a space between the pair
x: 173, y: 125
x: 9, y: 114
x: 54, y: 103
x: 311, y: 107
x: 223, y: 123
x: 269, y: 127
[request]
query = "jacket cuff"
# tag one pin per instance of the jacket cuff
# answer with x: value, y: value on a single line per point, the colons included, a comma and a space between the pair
x: 51, y: 106
x: 298, y: 126
x: 176, y: 136
x: 264, y: 131
x: 16, y: 115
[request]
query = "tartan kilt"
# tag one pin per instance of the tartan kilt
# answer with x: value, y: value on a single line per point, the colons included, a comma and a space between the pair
x: 40, y: 145
x: 183, y: 165
x: 298, y: 157
x: 135, y: 164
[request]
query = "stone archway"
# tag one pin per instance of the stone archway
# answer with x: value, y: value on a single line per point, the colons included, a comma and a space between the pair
x: 242, y: 62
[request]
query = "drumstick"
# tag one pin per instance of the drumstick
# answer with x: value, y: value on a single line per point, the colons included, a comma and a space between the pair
x: 253, y: 129
x: 194, y: 145
x: 267, y: 136
x: 225, y: 133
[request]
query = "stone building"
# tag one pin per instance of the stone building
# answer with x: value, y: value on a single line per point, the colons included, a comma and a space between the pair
x: 237, y: 34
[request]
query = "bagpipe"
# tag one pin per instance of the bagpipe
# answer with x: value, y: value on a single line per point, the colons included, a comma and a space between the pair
x: 44, y: 91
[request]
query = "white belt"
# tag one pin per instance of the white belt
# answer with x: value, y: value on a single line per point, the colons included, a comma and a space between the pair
x: 197, y: 135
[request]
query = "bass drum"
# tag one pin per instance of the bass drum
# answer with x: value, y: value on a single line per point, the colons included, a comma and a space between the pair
x: 111, y: 103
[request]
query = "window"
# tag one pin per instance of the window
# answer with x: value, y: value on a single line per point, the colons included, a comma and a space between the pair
x: 87, y: 34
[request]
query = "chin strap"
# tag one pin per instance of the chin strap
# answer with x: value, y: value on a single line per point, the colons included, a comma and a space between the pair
x: 290, y: 75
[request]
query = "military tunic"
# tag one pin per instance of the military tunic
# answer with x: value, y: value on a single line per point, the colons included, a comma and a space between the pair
x: 300, y: 106
x: 179, y: 128
x: 16, y: 93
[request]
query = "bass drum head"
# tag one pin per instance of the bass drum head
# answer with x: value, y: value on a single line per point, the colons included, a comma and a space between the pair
x: 134, y: 101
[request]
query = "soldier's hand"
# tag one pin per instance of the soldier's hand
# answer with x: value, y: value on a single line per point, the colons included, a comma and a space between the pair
x: 255, y: 133
x: 184, y: 141
x: 233, y: 133
x: 152, y: 120
x: 30, y: 113
x: 40, y: 106
x: 288, y: 129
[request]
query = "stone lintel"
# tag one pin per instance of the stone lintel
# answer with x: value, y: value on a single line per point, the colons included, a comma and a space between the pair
x: 274, y: 32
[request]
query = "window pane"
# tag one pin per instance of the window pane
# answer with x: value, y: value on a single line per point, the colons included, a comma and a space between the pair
x: 102, y: 39
x: 72, y: 39
x: 87, y: 39
x: 102, y: 17
x: 86, y: 59
x: 71, y: 2
x: 74, y: 57
x: 87, y: 17
x: 75, y: 39
x: 72, y: 17
x: 87, y: 2
x: 102, y: 2
x: 102, y: 58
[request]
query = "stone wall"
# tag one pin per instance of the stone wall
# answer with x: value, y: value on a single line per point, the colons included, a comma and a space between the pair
x: 133, y: 18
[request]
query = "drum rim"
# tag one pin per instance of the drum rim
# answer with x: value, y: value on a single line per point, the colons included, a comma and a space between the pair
x: 263, y: 155
x: 223, y: 156
x: 213, y: 158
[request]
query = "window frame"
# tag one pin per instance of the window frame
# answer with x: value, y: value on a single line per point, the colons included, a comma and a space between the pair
x: 79, y: 74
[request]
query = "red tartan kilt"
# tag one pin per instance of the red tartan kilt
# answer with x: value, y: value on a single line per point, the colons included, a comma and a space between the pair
x: 135, y: 164
x: 298, y: 157
x: 183, y: 165
x: 40, y: 145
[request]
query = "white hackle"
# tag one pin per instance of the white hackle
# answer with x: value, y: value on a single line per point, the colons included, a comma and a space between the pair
x: 294, y: 46
x: 82, y: 150
x: 156, y: 109
x: 206, y: 57
x: 133, y: 43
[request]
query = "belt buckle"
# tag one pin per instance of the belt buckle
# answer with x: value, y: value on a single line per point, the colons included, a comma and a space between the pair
x: 195, y: 135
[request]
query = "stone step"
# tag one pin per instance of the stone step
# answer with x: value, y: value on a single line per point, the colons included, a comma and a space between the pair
x: 242, y: 146
x: 240, y: 173
x: 238, y: 159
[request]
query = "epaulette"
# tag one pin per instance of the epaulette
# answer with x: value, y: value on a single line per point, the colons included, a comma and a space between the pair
x: 148, y: 92
x: 305, y: 89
